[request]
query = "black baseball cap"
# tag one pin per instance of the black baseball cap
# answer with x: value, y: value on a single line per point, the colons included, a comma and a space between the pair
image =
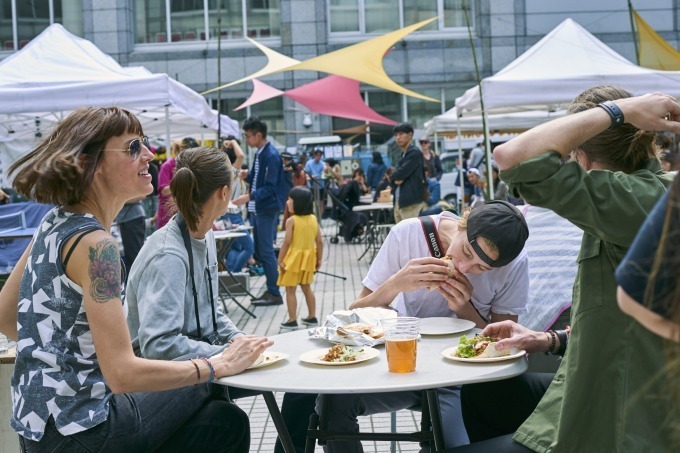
x: 501, y: 223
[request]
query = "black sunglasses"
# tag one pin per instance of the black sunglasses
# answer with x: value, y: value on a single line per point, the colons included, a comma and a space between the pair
x: 135, y: 147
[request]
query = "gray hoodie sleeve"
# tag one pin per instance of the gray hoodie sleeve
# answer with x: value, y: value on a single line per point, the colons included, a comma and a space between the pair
x: 166, y: 312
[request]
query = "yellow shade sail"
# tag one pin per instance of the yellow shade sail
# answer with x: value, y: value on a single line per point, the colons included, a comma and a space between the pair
x: 276, y: 62
x: 362, y: 61
x: 653, y: 51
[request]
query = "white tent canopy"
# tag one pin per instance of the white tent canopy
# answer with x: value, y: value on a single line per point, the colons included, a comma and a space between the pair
x: 551, y: 73
x: 448, y: 123
x: 58, y: 72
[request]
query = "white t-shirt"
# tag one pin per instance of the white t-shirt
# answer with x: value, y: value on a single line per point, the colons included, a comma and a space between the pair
x: 503, y: 290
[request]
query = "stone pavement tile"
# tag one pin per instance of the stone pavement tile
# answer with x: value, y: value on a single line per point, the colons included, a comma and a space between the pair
x: 331, y: 294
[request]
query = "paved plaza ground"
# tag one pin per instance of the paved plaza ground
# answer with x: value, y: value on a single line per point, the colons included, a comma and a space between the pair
x: 331, y: 294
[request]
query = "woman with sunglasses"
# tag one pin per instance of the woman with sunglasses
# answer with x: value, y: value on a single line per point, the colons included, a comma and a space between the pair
x: 77, y: 384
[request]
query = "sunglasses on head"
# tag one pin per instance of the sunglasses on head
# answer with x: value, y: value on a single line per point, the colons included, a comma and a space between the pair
x: 135, y: 147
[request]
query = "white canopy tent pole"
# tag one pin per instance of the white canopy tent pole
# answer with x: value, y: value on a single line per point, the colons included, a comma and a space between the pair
x: 487, y: 140
x: 460, y: 193
x: 168, y: 143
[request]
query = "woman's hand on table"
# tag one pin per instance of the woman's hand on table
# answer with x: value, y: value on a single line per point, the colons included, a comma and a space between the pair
x: 512, y: 334
x: 240, y: 354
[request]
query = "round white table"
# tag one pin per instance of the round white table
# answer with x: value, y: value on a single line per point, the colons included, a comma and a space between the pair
x: 373, y: 234
x: 432, y: 371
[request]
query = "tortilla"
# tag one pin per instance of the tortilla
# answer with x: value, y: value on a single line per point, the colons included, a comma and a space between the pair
x: 479, y: 347
x: 365, y: 328
x: 452, y: 267
x: 490, y: 351
x: 258, y: 361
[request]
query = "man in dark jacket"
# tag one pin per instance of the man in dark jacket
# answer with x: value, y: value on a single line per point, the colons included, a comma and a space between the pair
x: 408, y: 180
x: 266, y: 199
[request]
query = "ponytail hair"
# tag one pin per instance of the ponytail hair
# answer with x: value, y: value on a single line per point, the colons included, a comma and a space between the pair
x: 625, y: 148
x: 199, y: 173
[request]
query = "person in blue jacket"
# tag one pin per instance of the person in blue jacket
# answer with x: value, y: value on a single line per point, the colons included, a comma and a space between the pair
x: 376, y: 171
x: 266, y: 199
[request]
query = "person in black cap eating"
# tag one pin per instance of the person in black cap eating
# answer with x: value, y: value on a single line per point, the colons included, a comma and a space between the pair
x: 489, y: 282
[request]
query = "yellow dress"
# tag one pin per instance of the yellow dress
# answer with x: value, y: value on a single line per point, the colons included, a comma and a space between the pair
x: 300, y: 260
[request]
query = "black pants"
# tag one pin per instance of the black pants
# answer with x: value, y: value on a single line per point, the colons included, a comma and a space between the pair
x: 503, y: 444
x: 180, y: 420
x: 132, y: 234
x: 295, y: 410
x: 493, y: 411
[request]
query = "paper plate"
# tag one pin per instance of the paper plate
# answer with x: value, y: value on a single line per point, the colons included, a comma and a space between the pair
x: 315, y: 356
x: 514, y: 354
x: 444, y: 326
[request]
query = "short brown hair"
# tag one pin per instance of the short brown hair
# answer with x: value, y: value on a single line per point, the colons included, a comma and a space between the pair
x: 60, y: 170
x: 199, y: 173
x: 625, y: 148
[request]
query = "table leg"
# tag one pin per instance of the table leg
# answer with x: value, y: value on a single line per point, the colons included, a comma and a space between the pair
x: 275, y: 413
x: 221, y: 258
x: 232, y: 297
x: 436, y: 419
x: 370, y: 234
x: 310, y: 444
x: 238, y: 283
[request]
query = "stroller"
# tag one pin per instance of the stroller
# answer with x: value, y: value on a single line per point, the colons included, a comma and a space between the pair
x: 350, y: 224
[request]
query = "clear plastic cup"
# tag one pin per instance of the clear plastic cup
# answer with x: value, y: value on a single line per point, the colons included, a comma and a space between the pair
x: 401, y: 343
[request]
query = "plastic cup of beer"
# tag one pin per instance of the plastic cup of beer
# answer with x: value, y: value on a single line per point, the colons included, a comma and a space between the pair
x: 401, y: 340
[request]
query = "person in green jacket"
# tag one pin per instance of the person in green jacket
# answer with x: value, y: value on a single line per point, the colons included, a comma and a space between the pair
x: 600, y: 399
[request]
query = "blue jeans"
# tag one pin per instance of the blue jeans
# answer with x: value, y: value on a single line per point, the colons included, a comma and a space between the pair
x: 186, y: 419
x: 241, y: 249
x: 264, y: 229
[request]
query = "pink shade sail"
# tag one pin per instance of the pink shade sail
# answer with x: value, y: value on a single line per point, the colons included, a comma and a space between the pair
x: 336, y: 96
x: 261, y: 92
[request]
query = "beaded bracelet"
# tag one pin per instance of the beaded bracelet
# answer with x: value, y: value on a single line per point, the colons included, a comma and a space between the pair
x: 212, y: 370
x: 553, y: 341
x: 198, y: 371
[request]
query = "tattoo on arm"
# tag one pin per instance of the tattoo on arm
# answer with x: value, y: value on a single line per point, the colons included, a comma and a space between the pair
x: 104, y: 271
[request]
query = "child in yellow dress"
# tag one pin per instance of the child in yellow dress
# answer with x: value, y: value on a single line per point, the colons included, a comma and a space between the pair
x: 300, y: 255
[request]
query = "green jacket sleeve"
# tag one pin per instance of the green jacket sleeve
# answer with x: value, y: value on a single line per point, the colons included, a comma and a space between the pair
x: 600, y: 202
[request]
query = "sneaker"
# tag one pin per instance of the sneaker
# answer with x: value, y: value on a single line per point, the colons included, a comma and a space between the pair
x: 255, y: 271
x: 289, y: 325
x: 267, y: 299
x: 310, y: 321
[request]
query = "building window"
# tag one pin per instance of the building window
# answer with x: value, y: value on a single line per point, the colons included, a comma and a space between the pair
x: 34, y: 16
x: 163, y: 21
x: 344, y: 15
x: 421, y: 111
x: 381, y: 16
x: 270, y: 112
